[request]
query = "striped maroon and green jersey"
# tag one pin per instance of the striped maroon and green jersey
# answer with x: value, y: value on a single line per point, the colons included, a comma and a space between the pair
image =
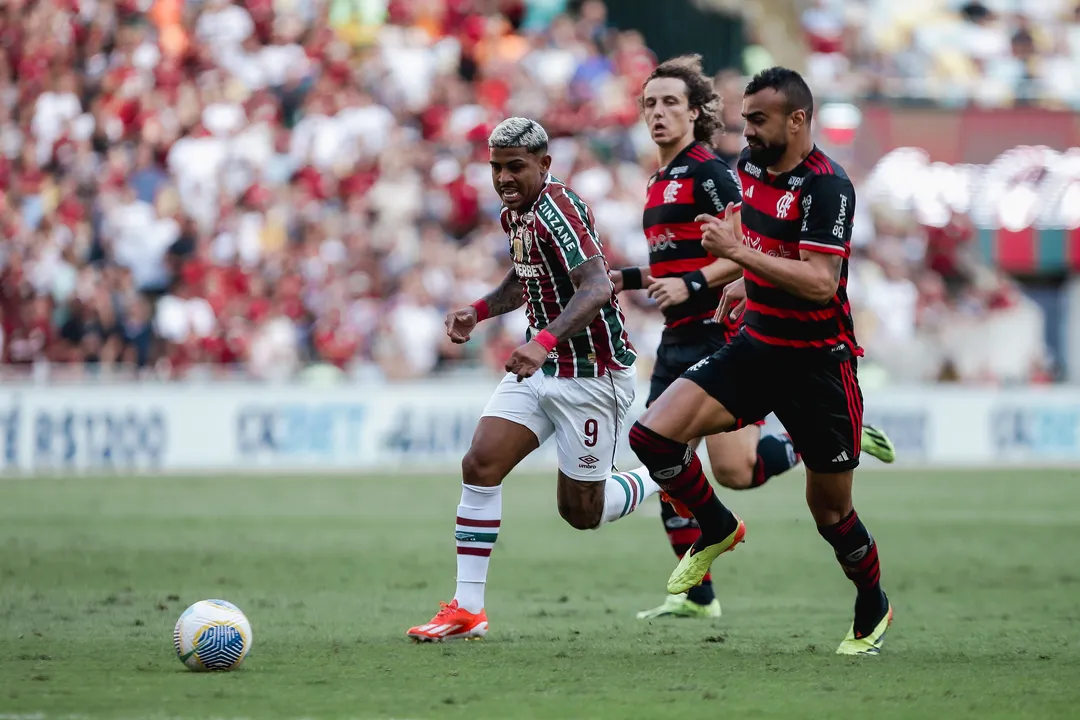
x: 546, y: 243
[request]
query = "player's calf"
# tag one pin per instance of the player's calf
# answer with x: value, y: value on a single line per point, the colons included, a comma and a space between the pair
x: 581, y: 503
x: 588, y: 504
x: 743, y: 459
x: 829, y: 498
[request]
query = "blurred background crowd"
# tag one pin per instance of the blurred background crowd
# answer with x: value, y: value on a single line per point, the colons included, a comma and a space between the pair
x: 992, y: 52
x: 266, y: 188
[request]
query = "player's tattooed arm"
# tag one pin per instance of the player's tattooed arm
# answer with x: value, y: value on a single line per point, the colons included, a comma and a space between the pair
x: 592, y: 290
x: 823, y: 279
x: 508, y: 296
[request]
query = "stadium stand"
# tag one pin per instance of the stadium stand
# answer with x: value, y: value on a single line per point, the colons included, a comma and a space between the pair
x: 261, y: 188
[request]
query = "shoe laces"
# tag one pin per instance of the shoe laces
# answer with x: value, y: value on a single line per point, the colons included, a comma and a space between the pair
x: 445, y: 611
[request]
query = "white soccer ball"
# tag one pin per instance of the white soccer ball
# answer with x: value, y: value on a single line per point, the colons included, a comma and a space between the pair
x: 212, y: 635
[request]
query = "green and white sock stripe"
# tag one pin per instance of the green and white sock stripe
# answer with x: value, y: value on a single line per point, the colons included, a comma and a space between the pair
x: 634, y: 488
x: 475, y: 537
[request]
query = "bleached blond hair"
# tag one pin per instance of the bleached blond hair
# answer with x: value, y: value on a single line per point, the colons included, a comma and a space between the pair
x: 519, y: 132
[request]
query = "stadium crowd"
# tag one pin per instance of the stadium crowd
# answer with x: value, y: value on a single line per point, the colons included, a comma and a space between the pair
x: 991, y: 52
x: 263, y: 186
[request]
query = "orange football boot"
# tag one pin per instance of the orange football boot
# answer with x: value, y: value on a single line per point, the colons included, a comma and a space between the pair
x: 451, y: 623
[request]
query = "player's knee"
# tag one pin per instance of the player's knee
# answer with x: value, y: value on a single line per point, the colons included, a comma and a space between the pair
x: 828, y: 510
x: 578, y: 517
x: 479, y: 471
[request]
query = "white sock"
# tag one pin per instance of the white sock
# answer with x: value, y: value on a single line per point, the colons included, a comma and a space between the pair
x: 624, y: 491
x: 478, y: 518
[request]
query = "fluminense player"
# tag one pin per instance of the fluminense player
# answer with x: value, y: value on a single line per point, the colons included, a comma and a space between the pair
x: 573, y: 378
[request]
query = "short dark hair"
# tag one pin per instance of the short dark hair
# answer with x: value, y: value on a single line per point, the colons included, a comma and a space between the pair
x: 787, y: 82
x: 700, y: 92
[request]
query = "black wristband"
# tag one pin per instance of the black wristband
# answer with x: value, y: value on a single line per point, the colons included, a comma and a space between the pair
x: 696, y: 282
x: 632, y: 279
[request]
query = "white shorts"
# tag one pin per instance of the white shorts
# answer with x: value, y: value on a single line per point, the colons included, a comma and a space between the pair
x: 587, y: 416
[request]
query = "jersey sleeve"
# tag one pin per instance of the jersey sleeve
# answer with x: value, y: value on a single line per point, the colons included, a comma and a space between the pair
x: 716, y: 185
x: 828, y: 208
x: 569, y: 225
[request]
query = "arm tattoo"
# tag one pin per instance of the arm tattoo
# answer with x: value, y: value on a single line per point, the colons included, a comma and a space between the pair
x: 508, y: 296
x: 592, y: 290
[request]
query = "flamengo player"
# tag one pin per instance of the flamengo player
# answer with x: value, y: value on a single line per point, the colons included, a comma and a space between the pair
x: 796, y: 354
x: 681, y: 108
x: 574, y: 378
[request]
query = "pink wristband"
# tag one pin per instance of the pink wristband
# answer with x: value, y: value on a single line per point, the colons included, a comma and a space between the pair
x: 482, y: 311
x: 546, y: 339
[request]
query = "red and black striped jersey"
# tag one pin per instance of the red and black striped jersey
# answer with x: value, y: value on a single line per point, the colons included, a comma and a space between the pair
x: 809, y: 208
x: 696, y: 182
x: 546, y: 243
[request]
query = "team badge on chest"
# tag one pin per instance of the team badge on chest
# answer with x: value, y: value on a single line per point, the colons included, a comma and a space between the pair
x: 528, y: 220
x: 521, y: 241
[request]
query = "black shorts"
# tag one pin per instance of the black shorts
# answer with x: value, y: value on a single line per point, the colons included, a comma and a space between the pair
x: 815, y: 394
x: 679, y: 350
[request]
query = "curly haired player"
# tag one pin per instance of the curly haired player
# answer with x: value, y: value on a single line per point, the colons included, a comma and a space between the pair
x: 681, y: 108
x: 795, y: 355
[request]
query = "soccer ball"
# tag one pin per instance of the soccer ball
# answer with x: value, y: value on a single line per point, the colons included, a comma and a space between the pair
x: 212, y: 635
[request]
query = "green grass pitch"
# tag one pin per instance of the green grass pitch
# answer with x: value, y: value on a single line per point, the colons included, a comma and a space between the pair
x: 983, y: 569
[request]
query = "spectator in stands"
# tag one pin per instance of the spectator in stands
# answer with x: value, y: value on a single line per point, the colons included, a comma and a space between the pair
x: 255, y: 186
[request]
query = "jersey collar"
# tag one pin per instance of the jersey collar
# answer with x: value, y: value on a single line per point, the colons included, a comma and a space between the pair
x: 774, y: 179
x: 675, y: 161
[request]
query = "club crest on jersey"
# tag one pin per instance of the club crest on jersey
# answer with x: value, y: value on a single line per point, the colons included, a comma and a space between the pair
x: 522, y: 241
x: 671, y: 192
x: 783, y: 205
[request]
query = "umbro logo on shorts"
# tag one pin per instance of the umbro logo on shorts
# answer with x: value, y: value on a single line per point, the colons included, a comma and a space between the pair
x: 588, y: 462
